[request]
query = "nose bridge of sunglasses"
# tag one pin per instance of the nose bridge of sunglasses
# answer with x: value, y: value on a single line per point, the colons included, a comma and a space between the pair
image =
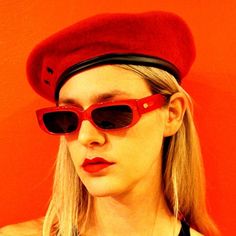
x: 85, y: 114
x: 150, y: 103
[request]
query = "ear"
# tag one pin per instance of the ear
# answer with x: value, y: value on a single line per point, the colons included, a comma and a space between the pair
x: 175, y: 112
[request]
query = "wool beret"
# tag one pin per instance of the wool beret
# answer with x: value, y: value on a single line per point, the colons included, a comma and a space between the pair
x: 158, y: 39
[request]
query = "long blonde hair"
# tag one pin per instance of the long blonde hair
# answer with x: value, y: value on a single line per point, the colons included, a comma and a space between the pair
x: 182, y: 173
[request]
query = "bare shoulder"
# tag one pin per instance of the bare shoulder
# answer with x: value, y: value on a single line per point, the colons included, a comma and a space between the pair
x: 193, y: 232
x: 28, y: 228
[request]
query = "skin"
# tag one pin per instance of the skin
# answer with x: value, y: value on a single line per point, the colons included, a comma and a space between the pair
x: 127, y: 195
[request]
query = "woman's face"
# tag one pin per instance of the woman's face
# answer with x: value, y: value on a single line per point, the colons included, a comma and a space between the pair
x: 135, y: 153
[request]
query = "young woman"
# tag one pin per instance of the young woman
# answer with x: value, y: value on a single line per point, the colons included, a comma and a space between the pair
x: 129, y: 160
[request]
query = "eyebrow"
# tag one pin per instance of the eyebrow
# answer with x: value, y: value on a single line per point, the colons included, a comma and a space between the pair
x: 95, y: 99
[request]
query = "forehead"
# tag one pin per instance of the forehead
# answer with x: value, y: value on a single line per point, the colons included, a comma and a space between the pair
x: 104, y: 80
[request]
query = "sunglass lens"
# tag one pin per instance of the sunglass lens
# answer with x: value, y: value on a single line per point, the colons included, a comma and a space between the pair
x: 60, y: 121
x: 112, y: 117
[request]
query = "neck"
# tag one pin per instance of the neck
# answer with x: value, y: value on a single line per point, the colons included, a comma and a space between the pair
x: 138, y: 214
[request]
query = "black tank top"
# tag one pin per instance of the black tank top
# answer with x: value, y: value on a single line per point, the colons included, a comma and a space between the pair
x: 185, y: 230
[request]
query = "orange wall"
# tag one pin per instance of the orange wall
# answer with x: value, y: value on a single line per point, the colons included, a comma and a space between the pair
x: 27, y: 154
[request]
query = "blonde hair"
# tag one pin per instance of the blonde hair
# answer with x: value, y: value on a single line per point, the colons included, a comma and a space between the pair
x: 182, y: 173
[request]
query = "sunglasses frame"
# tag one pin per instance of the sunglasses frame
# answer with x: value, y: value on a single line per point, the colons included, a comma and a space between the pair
x: 138, y: 107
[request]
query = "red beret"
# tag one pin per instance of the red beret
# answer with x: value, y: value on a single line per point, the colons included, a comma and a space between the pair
x: 158, y: 39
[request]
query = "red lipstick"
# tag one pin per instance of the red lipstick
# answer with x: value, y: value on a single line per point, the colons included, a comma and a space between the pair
x: 95, y: 165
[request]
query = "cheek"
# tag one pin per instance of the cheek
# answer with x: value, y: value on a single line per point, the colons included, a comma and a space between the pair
x: 76, y: 153
x: 149, y: 132
x: 142, y: 146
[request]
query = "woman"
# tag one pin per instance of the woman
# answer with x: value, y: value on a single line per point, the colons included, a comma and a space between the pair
x: 129, y: 160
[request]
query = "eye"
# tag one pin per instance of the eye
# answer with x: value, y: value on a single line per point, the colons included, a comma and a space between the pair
x: 61, y: 121
x: 112, y: 117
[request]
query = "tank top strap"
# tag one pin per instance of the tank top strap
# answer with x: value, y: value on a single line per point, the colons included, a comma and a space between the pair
x: 185, y: 229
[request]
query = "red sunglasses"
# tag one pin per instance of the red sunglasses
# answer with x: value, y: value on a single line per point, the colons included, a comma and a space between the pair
x: 105, y: 116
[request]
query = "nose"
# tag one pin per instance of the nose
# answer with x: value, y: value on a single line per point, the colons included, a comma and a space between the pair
x: 90, y: 136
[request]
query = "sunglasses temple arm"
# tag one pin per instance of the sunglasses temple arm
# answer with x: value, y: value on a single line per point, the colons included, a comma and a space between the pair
x: 151, y: 103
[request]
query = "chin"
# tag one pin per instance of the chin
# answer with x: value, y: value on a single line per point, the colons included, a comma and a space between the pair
x: 105, y: 187
x: 116, y: 193
x: 102, y: 192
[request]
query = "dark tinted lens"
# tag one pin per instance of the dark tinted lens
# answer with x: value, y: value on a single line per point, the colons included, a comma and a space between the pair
x: 61, y: 121
x: 113, y: 117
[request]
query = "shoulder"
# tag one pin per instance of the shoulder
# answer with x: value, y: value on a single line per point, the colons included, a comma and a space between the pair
x: 193, y: 232
x: 28, y: 228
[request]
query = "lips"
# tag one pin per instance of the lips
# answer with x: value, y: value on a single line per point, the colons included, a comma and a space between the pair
x: 95, y: 165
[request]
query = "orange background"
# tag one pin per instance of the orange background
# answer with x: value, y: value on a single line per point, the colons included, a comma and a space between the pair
x: 28, y: 155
